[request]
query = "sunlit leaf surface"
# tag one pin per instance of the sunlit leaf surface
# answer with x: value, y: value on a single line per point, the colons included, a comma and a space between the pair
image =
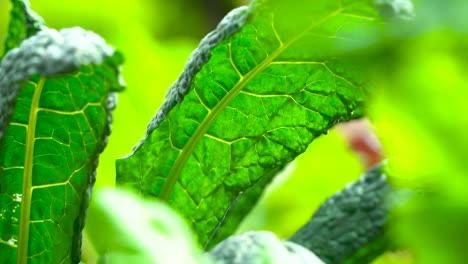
x: 260, y: 96
x: 50, y: 146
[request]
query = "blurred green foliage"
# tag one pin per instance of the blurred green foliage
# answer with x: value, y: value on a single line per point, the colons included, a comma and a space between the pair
x: 4, y: 18
x: 420, y: 114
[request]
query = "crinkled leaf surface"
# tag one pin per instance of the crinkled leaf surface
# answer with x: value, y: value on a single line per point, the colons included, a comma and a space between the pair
x: 24, y: 23
x: 255, y: 93
x: 351, y: 226
x: 50, y: 145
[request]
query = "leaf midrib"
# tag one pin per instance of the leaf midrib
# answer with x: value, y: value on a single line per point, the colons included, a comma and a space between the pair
x: 23, y: 237
x: 188, y: 149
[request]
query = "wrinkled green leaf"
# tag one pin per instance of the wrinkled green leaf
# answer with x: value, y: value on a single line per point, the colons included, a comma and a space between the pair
x: 23, y: 24
x: 140, y: 231
x: 350, y: 227
x: 62, y: 86
x: 248, y: 103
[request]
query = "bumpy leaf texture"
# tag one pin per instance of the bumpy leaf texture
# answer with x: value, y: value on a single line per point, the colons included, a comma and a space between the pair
x: 24, y: 23
x: 253, y: 95
x: 350, y: 227
x: 57, y: 90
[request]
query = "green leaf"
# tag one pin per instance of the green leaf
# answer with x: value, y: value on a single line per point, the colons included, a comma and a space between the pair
x: 254, y: 94
x: 24, y: 23
x: 283, y: 201
x: 350, y: 227
x: 140, y: 231
x: 63, y: 86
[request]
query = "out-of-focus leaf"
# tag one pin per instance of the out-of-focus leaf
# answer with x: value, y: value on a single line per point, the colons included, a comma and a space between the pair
x: 23, y: 24
x: 395, y: 257
x: 429, y: 104
x: 62, y: 86
x: 261, y: 247
x: 140, y: 231
x: 434, y: 135
x: 350, y: 226
x: 247, y: 104
x: 396, y: 9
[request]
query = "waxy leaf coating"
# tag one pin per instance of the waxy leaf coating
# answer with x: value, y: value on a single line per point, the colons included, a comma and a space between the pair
x: 260, y: 96
x: 62, y: 86
x: 261, y: 247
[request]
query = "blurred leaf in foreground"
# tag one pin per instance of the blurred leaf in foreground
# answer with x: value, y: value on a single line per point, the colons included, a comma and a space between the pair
x: 139, y: 231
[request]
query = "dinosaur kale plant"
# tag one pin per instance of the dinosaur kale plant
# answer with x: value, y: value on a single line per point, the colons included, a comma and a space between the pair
x: 57, y: 93
x: 257, y: 91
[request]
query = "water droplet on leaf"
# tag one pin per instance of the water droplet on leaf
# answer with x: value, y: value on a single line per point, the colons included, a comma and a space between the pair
x: 17, y: 197
x: 12, y: 241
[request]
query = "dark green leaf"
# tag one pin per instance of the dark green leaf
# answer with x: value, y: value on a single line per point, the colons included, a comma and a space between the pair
x: 23, y: 24
x: 63, y: 86
x: 350, y: 226
x: 248, y: 103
